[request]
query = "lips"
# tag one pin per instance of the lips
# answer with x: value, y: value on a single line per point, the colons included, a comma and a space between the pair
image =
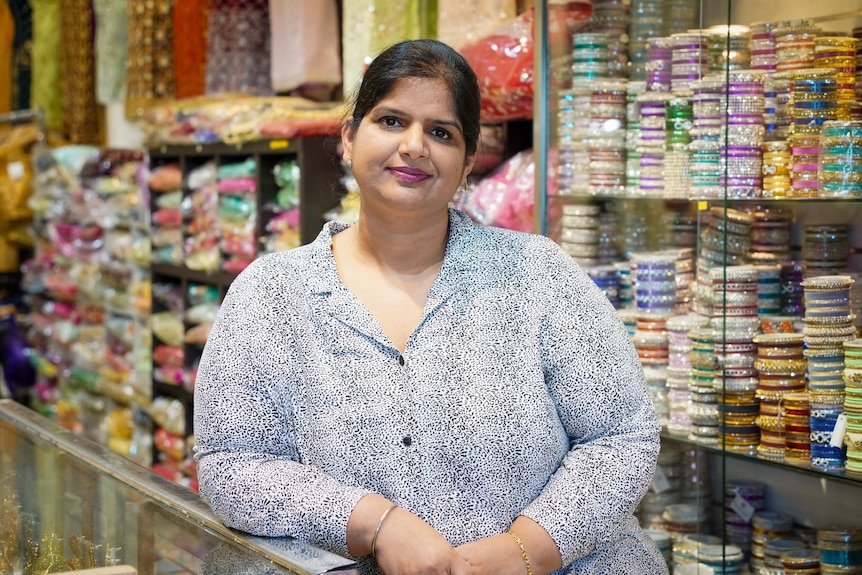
x: 409, y: 175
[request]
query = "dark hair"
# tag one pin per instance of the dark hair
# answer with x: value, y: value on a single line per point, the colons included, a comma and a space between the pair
x: 423, y: 59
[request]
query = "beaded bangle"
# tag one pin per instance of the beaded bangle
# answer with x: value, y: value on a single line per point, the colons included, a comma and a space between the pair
x: 523, y: 552
x: 377, y: 529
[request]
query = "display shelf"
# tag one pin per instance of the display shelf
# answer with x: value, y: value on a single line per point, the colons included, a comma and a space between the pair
x: 614, y: 149
x: 743, y: 201
x: 750, y: 455
x: 317, y: 190
x: 219, y: 278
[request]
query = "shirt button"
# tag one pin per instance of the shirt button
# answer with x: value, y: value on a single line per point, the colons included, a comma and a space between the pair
x: 400, y: 359
x: 407, y: 440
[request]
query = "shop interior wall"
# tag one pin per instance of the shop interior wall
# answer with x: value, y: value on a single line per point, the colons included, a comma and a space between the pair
x: 813, y: 501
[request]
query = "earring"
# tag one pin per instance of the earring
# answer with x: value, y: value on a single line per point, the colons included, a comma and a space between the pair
x: 349, y: 162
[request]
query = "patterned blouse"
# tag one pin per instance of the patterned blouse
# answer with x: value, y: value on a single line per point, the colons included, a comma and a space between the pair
x: 518, y: 393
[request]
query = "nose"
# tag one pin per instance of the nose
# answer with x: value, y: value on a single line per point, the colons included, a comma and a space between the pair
x: 413, y: 142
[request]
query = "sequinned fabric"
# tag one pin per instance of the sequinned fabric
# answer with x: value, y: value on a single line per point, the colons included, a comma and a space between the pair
x: 371, y: 26
x: 45, y: 90
x: 81, y: 114
x: 23, y: 53
x: 190, y: 47
x: 150, y: 73
x: 519, y: 392
x: 462, y: 22
x: 238, y: 48
x: 112, y: 29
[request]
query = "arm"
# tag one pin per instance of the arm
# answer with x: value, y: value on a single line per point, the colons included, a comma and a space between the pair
x: 594, y: 377
x: 596, y: 380
x: 248, y: 463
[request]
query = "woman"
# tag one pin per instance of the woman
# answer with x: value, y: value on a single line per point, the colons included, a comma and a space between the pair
x: 420, y: 392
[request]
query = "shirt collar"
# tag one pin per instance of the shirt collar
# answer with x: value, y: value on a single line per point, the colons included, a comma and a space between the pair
x: 458, y: 258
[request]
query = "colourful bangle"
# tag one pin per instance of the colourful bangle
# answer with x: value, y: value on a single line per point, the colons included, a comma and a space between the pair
x: 377, y: 529
x: 523, y: 552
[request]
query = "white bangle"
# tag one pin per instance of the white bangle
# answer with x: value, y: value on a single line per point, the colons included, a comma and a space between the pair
x: 377, y: 529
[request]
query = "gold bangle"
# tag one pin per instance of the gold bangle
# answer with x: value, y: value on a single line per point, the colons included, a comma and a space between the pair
x: 523, y: 552
x: 377, y: 529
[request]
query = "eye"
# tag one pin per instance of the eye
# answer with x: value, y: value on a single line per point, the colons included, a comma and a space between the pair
x: 440, y: 133
x: 390, y: 121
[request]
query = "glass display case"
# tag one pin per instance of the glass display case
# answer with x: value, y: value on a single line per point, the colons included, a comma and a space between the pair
x: 700, y: 160
x: 68, y: 504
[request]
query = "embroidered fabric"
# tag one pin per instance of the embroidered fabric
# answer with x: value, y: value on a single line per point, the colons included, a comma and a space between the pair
x: 81, y: 114
x: 238, y: 49
x: 461, y: 22
x: 371, y: 26
x: 150, y: 73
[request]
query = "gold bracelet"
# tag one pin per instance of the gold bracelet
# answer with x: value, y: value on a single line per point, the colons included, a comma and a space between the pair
x: 523, y: 552
x: 377, y: 529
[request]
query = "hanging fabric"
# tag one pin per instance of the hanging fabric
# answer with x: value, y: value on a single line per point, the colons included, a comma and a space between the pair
x: 150, y: 72
x: 22, y: 54
x: 370, y: 26
x: 45, y: 90
x: 190, y: 47
x: 465, y: 21
x: 238, y: 49
x: 112, y: 48
x: 7, y: 38
x: 305, y: 43
x: 81, y: 114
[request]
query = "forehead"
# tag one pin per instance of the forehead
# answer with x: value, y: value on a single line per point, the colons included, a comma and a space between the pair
x: 421, y: 96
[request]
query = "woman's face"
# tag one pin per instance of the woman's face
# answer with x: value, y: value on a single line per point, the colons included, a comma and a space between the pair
x: 408, y: 153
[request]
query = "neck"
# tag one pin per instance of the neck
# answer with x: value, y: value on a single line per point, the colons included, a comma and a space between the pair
x: 409, y: 248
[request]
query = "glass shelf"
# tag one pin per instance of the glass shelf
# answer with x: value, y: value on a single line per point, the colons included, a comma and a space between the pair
x: 607, y: 197
x: 751, y: 455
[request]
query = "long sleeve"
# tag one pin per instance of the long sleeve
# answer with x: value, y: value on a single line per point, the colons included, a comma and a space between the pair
x: 518, y: 393
x: 247, y: 454
x: 595, y: 379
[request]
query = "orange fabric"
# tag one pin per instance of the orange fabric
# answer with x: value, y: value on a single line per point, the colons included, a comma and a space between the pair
x: 190, y: 47
x: 7, y: 38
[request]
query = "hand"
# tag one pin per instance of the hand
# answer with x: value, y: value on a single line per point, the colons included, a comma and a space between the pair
x: 407, y: 545
x: 497, y: 555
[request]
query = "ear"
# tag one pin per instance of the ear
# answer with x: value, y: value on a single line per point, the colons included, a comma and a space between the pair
x: 347, y: 135
x: 468, y: 167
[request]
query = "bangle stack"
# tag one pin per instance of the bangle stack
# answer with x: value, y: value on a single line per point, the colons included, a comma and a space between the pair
x: 377, y: 529
x: 523, y: 552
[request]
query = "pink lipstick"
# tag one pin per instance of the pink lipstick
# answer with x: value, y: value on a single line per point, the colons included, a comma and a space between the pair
x: 409, y: 175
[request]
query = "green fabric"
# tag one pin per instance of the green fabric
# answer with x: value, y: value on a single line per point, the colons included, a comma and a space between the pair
x: 45, y: 89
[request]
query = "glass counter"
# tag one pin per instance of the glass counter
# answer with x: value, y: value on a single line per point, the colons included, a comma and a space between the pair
x: 67, y: 503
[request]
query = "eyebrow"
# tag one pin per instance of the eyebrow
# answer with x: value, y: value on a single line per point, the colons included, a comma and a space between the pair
x: 397, y: 112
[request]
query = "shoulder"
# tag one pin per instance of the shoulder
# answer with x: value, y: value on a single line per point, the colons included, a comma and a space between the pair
x: 281, y: 271
x: 508, y: 246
